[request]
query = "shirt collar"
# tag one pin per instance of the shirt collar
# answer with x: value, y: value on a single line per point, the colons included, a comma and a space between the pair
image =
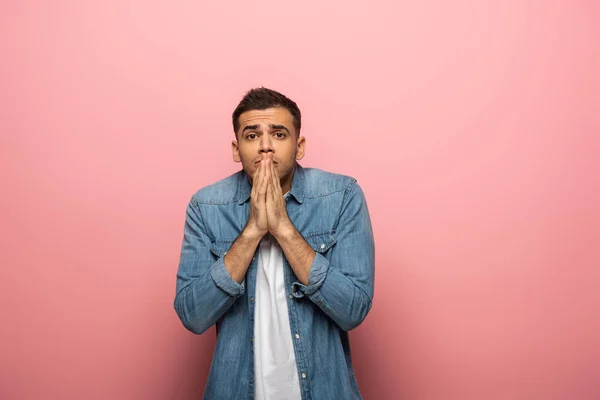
x: 297, y: 190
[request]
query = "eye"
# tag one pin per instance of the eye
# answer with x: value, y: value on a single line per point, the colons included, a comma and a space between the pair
x: 251, y: 136
x: 279, y: 135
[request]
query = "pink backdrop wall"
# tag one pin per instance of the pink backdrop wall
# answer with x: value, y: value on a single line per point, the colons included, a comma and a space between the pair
x: 472, y: 126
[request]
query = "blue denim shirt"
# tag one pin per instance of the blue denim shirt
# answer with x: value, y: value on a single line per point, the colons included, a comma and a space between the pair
x: 330, y: 212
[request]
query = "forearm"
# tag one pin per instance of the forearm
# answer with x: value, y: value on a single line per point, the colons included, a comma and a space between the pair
x: 238, y: 258
x: 298, y: 253
x: 338, y: 296
x: 346, y: 300
x: 342, y: 285
x: 202, y: 302
x: 205, y: 286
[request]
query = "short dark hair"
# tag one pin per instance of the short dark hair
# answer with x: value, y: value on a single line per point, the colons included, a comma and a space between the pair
x: 261, y: 99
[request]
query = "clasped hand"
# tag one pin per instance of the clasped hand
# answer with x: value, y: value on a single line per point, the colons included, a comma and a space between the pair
x: 267, y: 205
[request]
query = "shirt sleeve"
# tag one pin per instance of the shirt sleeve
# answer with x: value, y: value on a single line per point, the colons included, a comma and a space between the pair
x: 343, y: 285
x: 205, y: 290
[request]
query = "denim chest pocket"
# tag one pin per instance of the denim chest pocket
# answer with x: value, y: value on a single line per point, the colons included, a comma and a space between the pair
x: 321, y: 242
x: 220, y: 246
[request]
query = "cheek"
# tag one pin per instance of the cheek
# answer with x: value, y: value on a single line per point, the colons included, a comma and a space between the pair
x: 286, y: 151
x: 247, y: 155
x: 248, y: 163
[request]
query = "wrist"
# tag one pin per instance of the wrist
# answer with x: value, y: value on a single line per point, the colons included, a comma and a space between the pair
x: 252, y: 233
x: 285, y: 231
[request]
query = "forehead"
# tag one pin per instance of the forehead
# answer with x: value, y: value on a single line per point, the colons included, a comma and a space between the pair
x: 276, y: 116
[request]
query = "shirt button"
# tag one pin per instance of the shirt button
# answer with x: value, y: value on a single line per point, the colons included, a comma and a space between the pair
x: 253, y: 258
x: 297, y: 336
x: 290, y: 296
x: 252, y: 339
x: 251, y: 299
x: 251, y: 380
x: 303, y: 375
x: 322, y: 246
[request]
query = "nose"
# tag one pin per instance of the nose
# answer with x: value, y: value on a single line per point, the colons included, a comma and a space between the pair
x: 266, y: 145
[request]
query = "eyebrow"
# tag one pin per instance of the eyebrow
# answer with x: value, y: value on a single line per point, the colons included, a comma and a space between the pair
x: 282, y: 127
x: 250, y: 128
x: 272, y: 126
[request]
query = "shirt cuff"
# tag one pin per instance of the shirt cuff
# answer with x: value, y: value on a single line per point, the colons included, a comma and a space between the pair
x: 316, y: 277
x: 223, y: 279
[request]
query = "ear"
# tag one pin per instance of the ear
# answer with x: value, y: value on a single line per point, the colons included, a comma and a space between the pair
x: 300, y: 148
x: 235, y: 151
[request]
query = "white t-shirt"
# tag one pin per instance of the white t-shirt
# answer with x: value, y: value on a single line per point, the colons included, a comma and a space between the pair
x: 276, y: 373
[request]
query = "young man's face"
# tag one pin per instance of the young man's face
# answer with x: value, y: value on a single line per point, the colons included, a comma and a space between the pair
x: 270, y: 132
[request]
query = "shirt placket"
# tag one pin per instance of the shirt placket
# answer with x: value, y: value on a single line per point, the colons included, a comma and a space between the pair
x: 299, y: 347
x: 251, y: 293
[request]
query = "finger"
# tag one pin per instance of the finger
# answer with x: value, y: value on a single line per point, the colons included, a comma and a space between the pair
x: 268, y: 171
x: 276, y: 183
x: 269, y: 176
x: 258, y: 177
x: 271, y: 171
x: 264, y: 182
x: 272, y: 177
x: 259, y: 172
x: 269, y: 186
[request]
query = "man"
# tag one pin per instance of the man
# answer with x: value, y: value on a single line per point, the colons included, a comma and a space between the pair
x: 281, y: 259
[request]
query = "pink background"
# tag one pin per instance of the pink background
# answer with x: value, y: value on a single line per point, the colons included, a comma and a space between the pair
x: 473, y: 128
